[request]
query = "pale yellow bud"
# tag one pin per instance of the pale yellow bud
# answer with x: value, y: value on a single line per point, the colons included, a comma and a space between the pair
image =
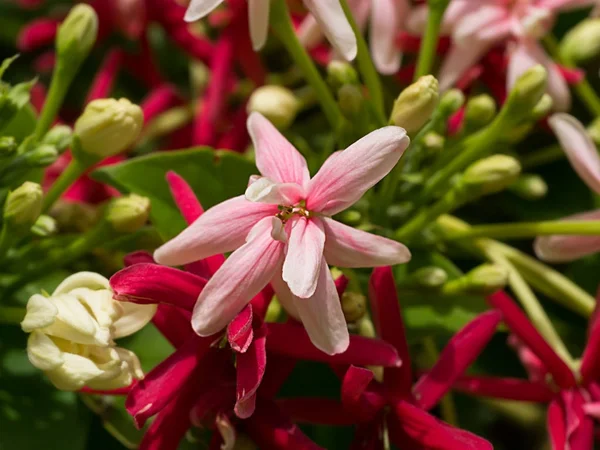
x: 582, y: 43
x: 415, y: 104
x: 23, y: 206
x: 77, y: 34
x: 491, y: 174
x: 129, y: 213
x: 276, y: 103
x: 527, y: 92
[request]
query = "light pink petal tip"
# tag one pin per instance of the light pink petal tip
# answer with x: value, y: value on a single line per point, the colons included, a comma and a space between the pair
x: 347, y: 175
x: 258, y: 17
x: 276, y: 158
x: 332, y: 20
x: 221, y: 229
x: 241, y: 277
x: 348, y: 247
x: 200, y: 8
x: 459, y: 59
x: 386, y: 17
x: 559, y: 249
x: 579, y: 148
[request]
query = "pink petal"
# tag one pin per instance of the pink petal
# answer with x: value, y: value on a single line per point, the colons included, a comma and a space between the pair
x: 221, y: 229
x: 311, y: 410
x: 270, y: 429
x: 322, y: 315
x: 245, y: 273
x: 590, y: 362
x: 568, y: 248
x: 284, y: 295
x: 460, y: 59
x: 173, y: 323
x: 332, y: 20
x: 347, y: 175
x: 471, y: 24
x: 416, y: 428
x: 150, y: 283
x: 184, y: 197
x: 276, y: 158
x: 239, y: 330
x: 591, y: 409
x: 386, y: 19
x: 556, y: 425
x: 504, y: 388
x: 309, y: 33
x: 520, y: 325
x: 385, y: 309
x: 250, y: 370
x: 258, y: 19
x: 348, y: 247
x: 200, y: 8
x: 304, y: 257
x: 289, y: 339
x: 138, y: 257
x: 536, y: 370
x: 165, y: 381
x: 464, y: 347
x: 579, y: 148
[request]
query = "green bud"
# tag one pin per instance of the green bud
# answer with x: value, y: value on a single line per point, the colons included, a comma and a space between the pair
x: 276, y: 103
x: 491, y: 174
x: 487, y: 279
x: 529, y: 187
x: 129, y: 213
x: 351, y: 100
x: 451, y: 101
x: 430, y: 277
x: 8, y: 146
x: 543, y: 108
x: 41, y: 156
x: 59, y: 137
x: 107, y: 127
x: 273, y: 311
x: 340, y: 73
x: 448, y: 225
x: 593, y: 130
x: 74, y: 216
x: 480, y: 111
x: 354, y: 306
x: 45, y: 226
x: 23, y: 206
x: 433, y: 142
x: 415, y: 104
x: 527, y: 92
x: 582, y: 43
x: 77, y: 34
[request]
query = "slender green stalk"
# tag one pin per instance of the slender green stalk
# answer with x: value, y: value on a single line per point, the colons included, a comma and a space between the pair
x: 61, y: 80
x: 6, y: 241
x: 73, y: 171
x: 437, y: 9
x: 542, y: 156
x: 366, y: 67
x: 282, y: 24
x: 11, y: 315
x: 528, y: 230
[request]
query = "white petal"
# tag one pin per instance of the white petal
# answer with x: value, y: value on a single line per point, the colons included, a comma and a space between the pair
x: 332, y: 20
x: 74, y: 374
x: 264, y: 190
x: 88, y: 280
x: 43, y: 352
x: 200, y: 8
x: 134, y: 318
x: 41, y: 313
x: 258, y: 16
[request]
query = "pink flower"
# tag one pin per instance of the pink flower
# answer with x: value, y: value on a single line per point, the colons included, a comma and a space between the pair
x: 476, y: 27
x: 283, y: 232
x: 573, y: 397
x: 583, y: 156
x: 387, y: 20
x: 396, y: 401
x: 328, y: 13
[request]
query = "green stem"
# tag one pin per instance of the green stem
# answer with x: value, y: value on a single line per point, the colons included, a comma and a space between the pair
x: 282, y: 24
x: 430, y: 40
x: 529, y: 229
x: 6, y: 241
x: 11, y: 315
x: 61, y: 80
x: 542, y: 156
x: 366, y: 67
x: 73, y: 171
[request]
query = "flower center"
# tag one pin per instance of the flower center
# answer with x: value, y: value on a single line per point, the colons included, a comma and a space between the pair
x: 286, y: 212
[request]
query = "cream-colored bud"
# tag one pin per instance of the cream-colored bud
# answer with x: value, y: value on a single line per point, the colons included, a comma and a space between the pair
x: 480, y: 111
x: 529, y: 187
x: 276, y: 103
x: 45, y: 226
x: 491, y: 174
x: 483, y: 280
x: 429, y: 277
x: 59, y: 137
x: 354, y: 306
x: 129, y: 213
x: 451, y: 102
x: 77, y: 34
x: 527, y: 92
x: 340, y: 73
x: 23, y: 206
x: 543, y: 108
x: 72, y: 334
x: 107, y: 127
x: 582, y: 43
x: 415, y: 104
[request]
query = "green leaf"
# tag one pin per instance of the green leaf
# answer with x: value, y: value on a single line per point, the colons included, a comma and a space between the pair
x: 22, y: 125
x: 6, y: 64
x: 214, y: 177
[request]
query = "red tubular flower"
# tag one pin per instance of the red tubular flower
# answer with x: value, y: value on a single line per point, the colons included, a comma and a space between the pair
x: 37, y: 34
x: 106, y: 75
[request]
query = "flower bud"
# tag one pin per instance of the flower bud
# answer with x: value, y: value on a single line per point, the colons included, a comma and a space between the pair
x: 41, y: 156
x: 543, y: 108
x: 448, y: 225
x: 433, y: 142
x: 351, y: 100
x: 276, y: 103
x: 415, y: 104
x: 480, y: 111
x: 59, y: 137
x: 527, y: 92
x: 44, y: 226
x: 582, y: 43
x: 340, y: 73
x: 491, y: 174
x: 73, y: 331
x: 483, y: 280
x: 23, y: 206
x: 74, y: 216
x: 529, y: 187
x: 129, y: 213
x: 77, y: 34
x: 429, y: 277
x: 8, y: 146
x: 451, y: 101
x: 107, y: 127
x: 354, y: 306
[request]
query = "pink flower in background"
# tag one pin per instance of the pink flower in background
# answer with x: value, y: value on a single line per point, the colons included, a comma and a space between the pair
x: 478, y: 26
x: 386, y: 21
x: 583, y: 156
x: 283, y: 232
x: 328, y: 13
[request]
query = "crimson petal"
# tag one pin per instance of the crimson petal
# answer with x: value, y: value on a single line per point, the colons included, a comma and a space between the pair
x: 464, y: 347
x: 289, y: 339
x: 354, y: 398
x: 556, y: 425
x: 579, y: 425
x: 173, y: 323
x: 590, y: 362
x: 250, y: 370
x: 505, y: 388
x: 138, y: 257
x: 239, y: 330
x: 152, y: 283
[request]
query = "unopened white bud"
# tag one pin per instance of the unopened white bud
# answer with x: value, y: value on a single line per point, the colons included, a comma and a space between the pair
x: 276, y: 103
